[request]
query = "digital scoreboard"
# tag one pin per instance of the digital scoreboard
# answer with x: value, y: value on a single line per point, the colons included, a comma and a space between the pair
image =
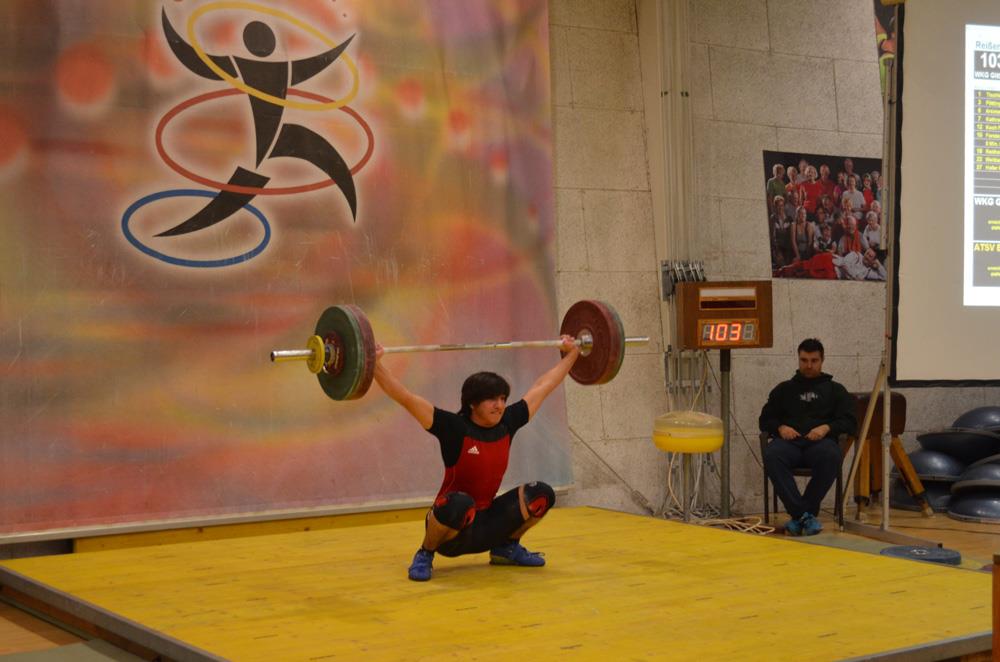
x: 724, y: 315
x: 726, y: 333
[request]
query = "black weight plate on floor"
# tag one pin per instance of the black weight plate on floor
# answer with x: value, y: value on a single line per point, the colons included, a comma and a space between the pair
x: 930, y: 554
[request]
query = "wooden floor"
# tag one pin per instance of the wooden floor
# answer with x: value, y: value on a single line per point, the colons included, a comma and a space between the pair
x: 616, y: 587
x: 22, y: 633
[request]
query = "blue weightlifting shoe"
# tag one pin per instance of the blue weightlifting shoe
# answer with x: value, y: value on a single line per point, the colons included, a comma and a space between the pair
x: 420, y: 569
x: 793, y: 527
x: 810, y: 525
x: 514, y: 553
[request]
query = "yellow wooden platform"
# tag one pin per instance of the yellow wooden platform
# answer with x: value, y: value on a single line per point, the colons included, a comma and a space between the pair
x: 616, y: 587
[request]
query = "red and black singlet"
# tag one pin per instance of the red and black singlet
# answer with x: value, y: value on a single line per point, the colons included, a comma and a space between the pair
x: 475, y: 458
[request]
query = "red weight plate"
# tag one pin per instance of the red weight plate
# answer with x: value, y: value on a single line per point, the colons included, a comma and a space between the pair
x: 367, y: 352
x: 606, y: 355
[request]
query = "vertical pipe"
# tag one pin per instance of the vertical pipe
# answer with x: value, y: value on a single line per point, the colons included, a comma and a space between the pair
x: 886, y: 447
x: 686, y: 487
x: 725, y: 368
x: 675, y: 124
x: 996, y: 604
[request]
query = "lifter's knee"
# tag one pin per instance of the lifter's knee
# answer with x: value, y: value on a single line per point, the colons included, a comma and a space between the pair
x: 456, y: 510
x: 538, y: 498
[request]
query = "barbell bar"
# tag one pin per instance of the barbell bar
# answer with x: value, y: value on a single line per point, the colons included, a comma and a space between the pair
x: 342, y: 351
x: 585, y: 342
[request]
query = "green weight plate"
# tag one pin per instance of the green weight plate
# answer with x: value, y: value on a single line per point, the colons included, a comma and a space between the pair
x: 338, y: 327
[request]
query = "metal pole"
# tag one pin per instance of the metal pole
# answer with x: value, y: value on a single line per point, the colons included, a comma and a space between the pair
x: 725, y: 368
x: 886, y: 442
x: 585, y: 342
x: 890, y: 186
x: 686, y: 487
x: 885, y: 367
x: 458, y: 347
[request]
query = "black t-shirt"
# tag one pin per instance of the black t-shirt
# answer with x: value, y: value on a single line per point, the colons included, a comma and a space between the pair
x: 475, y: 458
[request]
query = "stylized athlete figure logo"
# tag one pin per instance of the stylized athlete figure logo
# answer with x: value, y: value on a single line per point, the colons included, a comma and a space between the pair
x: 273, y: 138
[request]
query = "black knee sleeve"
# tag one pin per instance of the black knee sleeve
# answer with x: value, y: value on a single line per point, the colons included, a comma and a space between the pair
x: 455, y: 510
x: 538, y: 497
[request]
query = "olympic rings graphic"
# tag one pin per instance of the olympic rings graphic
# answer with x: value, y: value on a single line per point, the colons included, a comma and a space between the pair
x: 184, y: 262
x: 253, y: 190
x: 252, y: 91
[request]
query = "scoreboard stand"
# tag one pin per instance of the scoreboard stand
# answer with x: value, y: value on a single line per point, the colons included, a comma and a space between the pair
x: 724, y: 315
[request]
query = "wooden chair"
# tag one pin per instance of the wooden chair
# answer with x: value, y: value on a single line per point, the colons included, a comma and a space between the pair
x: 845, y: 445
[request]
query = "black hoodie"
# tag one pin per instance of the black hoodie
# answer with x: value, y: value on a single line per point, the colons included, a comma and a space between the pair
x: 803, y: 403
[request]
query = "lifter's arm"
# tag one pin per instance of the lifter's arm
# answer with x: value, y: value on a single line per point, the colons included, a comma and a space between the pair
x: 551, y: 379
x: 419, y: 408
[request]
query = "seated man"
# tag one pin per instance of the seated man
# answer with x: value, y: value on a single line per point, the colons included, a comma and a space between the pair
x: 804, y: 417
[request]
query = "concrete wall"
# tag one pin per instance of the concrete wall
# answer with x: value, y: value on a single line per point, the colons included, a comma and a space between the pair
x: 783, y: 75
x: 605, y: 247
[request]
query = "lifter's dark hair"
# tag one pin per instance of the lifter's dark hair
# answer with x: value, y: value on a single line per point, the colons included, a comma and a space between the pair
x: 811, y: 345
x: 482, y: 386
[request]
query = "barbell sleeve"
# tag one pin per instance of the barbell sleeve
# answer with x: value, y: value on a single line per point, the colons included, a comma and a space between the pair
x: 279, y: 355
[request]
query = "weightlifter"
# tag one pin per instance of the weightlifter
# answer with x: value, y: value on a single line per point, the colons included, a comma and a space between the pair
x: 467, y: 517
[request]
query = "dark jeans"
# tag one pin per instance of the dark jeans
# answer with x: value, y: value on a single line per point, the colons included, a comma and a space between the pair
x: 822, y: 457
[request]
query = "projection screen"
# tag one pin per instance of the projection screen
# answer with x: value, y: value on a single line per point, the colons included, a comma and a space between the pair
x: 948, y: 295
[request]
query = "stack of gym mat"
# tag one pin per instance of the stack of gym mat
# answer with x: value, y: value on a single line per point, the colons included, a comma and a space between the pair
x: 959, y: 467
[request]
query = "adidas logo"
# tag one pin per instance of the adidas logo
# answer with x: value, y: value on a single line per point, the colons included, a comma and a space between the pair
x: 474, y: 450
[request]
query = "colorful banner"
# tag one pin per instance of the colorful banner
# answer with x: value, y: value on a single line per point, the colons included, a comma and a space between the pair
x: 187, y: 185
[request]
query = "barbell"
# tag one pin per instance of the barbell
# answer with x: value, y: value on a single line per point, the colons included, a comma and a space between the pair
x: 341, y: 353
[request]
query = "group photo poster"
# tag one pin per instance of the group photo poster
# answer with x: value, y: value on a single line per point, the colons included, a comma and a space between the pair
x: 824, y: 216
